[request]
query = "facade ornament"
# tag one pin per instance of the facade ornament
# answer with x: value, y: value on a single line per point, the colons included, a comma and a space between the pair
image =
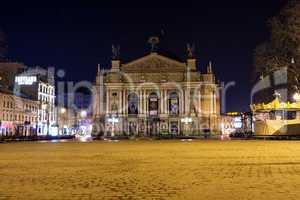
x: 154, y: 64
x: 190, y: 50
x: 99, y: 70
x: 115, y: 52
x: 153, y: 41
x: 293, y: 61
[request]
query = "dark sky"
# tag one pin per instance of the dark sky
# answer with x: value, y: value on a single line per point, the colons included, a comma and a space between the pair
x: 77, y: 36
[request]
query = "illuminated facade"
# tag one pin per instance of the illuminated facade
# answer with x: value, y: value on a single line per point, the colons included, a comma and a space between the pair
x: 38, y: 84
x: 237, y: 124
x: 47, y: 112
x: 18, y: 116
x: 156, y: 95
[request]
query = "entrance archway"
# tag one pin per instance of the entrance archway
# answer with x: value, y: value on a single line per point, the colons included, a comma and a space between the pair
x: 153, y: 121
x: 133, y: 102
x: 153, y: 104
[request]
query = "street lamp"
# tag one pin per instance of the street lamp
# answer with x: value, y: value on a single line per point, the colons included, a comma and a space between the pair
x: 113, y: 120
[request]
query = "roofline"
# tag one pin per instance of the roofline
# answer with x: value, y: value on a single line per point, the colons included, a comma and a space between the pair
x: 151, y: 55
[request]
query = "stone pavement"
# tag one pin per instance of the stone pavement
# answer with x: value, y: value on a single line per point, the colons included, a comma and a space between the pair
x: 151, y: 170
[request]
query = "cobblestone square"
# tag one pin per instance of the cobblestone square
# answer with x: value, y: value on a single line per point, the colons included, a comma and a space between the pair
x: 150, y: 170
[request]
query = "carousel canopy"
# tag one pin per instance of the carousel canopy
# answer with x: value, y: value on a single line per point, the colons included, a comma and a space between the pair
x: 276, y: 104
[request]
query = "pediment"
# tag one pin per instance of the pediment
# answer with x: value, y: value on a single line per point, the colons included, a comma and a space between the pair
x: 154, y: 63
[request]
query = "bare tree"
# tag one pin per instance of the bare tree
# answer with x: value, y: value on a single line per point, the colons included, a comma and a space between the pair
x: 283, y: 47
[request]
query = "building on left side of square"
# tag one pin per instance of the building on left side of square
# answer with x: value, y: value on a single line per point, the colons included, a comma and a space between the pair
x: 18, y: 114
x: 27, y: 100
x: 39, y: 85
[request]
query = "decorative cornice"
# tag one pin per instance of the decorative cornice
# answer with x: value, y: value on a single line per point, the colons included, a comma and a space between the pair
x: 154, y: 63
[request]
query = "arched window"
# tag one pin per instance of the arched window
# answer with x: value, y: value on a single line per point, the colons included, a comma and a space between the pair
x: 153, y: 104
x: 133, y: 102
x: 173, y: 103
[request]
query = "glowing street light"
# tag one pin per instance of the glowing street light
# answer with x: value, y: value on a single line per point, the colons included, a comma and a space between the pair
x: 83, y: 114
x: 296, y: 97
x: 62, y: 110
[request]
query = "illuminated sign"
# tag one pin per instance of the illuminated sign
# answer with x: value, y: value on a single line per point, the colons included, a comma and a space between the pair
x: 113, y: 120
x: 237, y: 123
x: 25, y: 80
x: 232, y: 113
x: 187, y: 120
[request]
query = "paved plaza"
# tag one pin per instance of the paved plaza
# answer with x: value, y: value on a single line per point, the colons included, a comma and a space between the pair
x: 150, y: 170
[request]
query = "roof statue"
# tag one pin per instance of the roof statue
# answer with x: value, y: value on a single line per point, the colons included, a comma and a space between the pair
x: 209, y: 68
x: 153, y: 41
x: 190, y: 50
x: 99, y: 69
x: 115, y: 52
x: 293, y: 61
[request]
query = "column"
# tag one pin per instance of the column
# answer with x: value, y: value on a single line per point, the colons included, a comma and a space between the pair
x: 216, y: 96
x: 186, y: 101
x: 199, y: 101
x: 125, y: 102
x: 101, y: 96
x: 165, y: 101
x: 120, y: 102
x: 145, y: 102
x: 214, y: 111
x: 140, y: 102
x: 218, y: 108
x: 181, y: 102
x: 161, y: 100
x: 107, y: 101
x: 211, y: 102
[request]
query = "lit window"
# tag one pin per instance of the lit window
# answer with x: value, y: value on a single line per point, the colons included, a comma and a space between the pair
x: 174, y: 103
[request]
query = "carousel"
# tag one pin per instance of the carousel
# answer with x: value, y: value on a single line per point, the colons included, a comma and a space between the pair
x: 276, y: 118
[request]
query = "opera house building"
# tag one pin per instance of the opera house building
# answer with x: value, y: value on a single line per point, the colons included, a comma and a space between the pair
x: 156, y: 95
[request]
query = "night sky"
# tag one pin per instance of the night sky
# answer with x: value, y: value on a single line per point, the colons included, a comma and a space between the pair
x: 78, y: 36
